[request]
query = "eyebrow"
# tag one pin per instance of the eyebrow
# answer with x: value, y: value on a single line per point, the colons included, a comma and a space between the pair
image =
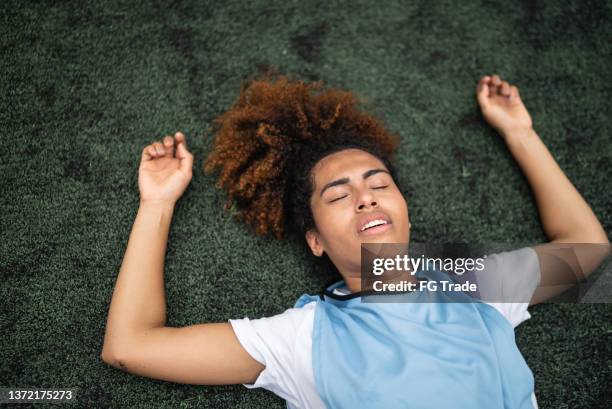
x: 344, y: 181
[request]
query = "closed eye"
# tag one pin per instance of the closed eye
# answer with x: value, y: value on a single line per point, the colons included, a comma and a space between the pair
x: 338, y: 198
x: 380, y: 187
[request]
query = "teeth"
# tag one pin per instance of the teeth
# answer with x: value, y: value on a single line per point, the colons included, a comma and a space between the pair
x: 373, y: 223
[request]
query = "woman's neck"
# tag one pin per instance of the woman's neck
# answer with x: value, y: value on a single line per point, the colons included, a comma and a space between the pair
x: 354, y: 282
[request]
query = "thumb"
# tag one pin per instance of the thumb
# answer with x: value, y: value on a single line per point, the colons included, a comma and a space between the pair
x: 482, y: 93
x: 185, y: 157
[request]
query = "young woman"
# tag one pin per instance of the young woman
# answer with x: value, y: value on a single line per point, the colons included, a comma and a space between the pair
x: 314, y: 165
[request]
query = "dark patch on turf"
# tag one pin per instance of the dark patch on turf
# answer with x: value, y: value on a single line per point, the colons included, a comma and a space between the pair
x: 85, y: 17
x: 458, y: 154
x: 484, y: 206
x: 88, y: 116
x: 94, y: 394
x: 427, y: 61
x: 439, y: 230
x: 8, y: 318
x: 434, y: 58
x: 82, y: 112
x: 48, y: 95
x: 12, y: 270
x: 76, y: 164
x: 24, y: 40
x: 184, y: 40
x: 29, y: 265
x: 604, y: 399
x: 308, y: 73
x: 470, y: 120
x: 559, y: 81
x: 408, y: 192
x: 261, y: 68
x: 13, y: 44
x: 585, y: 21
x: 474, y: 163
x: 30, y: 148
x: 266, y: 12
x: 572, y: 138
x: 181, y: 39
x: 95, y: 117
x: 13, y: 367
x: 542, y: 30
x: 307, y: 45
x: 532, y: 24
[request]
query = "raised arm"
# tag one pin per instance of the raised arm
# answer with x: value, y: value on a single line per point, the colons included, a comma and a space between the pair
x: 137, y: 339
x: 565, y: 215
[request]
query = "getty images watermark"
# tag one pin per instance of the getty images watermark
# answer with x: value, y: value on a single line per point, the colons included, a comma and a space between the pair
x: 493, y: 273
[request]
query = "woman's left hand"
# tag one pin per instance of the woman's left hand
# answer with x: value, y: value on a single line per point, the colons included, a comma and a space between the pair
x: 165, y: 170
x: 502, y: 107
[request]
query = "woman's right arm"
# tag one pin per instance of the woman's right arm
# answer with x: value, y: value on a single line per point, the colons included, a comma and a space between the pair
x: 137, y: 339
x: 200, y: 354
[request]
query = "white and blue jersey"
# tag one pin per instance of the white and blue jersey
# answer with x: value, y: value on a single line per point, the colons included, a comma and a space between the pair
x: 335, y: 351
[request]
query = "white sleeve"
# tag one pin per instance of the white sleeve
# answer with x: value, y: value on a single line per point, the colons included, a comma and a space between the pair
x: 511, y: 278
x: 271, y: 341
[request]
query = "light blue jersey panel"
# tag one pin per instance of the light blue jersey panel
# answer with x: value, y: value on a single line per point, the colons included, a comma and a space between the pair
x: 416, y: 354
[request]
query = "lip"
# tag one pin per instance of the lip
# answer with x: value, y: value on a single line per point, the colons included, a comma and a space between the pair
x: 374, y: 230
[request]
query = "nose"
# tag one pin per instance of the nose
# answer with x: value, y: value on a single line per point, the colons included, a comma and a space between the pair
x: 366, y: 200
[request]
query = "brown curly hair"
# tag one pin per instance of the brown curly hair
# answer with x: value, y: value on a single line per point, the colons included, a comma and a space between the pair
x: 267, y: 143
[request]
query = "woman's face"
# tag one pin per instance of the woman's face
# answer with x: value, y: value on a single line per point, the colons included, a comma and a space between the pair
x: 353, y: 192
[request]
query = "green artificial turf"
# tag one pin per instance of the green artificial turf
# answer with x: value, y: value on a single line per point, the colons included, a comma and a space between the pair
x: 86, y: 85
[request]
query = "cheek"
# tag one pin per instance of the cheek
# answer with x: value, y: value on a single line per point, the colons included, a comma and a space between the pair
x: 401, y: 209
x: 333, y: 223
x: 322, y: 219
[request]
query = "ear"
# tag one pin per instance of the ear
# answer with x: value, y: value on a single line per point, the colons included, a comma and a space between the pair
x: 314, y: 242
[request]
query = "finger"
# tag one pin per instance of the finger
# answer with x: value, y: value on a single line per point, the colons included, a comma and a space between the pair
x: 181, y: 144
x: 491, y: 85
x: 496, y: 80
x: 514, y: 92
x: 180, y: 137
x: 483, y: 93
x: 505, y: 89
x: 159, y: 149
x: 148, y: 153
x: 186, y: 158
x: 483, y: 82
x: 485, y: 79
x: 169, y: 146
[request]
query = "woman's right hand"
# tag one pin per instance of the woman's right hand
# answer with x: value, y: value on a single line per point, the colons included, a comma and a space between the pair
x: 165, y: 170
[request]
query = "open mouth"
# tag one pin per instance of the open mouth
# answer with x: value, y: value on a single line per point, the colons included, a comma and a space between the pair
x: 375, y: 227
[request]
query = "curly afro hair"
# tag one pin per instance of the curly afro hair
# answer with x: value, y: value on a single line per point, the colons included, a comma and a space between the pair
x: 267, y: 143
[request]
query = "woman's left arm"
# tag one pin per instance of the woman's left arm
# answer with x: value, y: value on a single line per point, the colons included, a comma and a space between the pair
x: 566, y: 218
x: 565, y: 215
